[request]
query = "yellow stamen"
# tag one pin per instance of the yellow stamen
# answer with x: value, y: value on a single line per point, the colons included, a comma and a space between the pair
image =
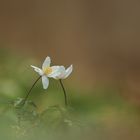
x: 48, y: 70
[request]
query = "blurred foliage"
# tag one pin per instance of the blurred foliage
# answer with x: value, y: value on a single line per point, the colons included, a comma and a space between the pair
x: 98, y: 114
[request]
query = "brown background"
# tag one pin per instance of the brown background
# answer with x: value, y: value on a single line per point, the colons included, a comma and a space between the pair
x: 101, y: 38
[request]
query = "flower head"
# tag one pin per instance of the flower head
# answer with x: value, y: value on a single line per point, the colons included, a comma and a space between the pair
x: 63, y: 73
x: 47, y: 71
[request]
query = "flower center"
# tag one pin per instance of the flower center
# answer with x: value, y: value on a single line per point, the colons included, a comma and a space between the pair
x: 48, y: 70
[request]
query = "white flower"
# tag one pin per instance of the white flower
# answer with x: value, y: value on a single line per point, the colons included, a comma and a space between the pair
x: 47, y: 71
x: 63, y: 73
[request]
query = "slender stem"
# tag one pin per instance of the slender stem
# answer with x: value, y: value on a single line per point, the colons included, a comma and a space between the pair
x: 64, y: 91
x: 31, y: 89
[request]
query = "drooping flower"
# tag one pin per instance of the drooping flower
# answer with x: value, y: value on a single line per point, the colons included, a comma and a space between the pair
x: 63, y: 73
x: 47, y: 71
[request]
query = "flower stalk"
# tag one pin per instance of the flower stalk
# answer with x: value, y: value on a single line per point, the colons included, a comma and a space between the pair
x: 64, y: 91
x: 25, y: 99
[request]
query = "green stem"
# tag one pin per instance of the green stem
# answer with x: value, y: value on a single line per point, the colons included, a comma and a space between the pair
x: 31, y: 89
x: 64, y: 91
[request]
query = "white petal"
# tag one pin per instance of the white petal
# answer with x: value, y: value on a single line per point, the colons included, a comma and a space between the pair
x: 68, y: 71
x: 45, y: 82
x: 55, y: 71
x: 60, y: 73
x: 62, y: 69
x: 46, y: 62
x: 38, y: 70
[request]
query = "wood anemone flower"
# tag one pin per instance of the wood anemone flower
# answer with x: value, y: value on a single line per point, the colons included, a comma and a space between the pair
x: 47, y: 71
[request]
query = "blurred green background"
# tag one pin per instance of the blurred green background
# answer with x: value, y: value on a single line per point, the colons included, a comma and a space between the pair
x: 100, y: 39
